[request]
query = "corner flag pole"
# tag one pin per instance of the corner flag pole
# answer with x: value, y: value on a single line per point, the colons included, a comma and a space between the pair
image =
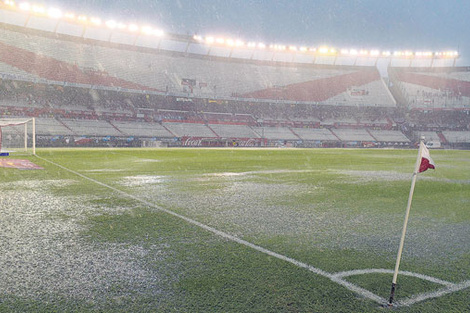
x: 405, y: 223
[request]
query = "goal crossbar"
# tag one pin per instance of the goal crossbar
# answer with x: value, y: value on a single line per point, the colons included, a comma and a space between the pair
x: 6, y: 123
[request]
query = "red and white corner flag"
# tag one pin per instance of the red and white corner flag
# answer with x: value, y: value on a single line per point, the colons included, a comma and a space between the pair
x: 426, y: 161
x: 423, y: 162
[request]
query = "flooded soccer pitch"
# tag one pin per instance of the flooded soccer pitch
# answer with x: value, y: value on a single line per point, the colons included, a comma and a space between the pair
x: 234, y: 230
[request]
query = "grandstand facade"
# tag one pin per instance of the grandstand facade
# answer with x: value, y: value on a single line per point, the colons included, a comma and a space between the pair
x: 95, y: 86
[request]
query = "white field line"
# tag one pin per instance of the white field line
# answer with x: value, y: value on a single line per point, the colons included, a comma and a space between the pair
x: 335, y: 277
x: 435, y: 294
x: 387, y: 271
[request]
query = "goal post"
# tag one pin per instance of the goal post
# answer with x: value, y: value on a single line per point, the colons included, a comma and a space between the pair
x: 18, y: 135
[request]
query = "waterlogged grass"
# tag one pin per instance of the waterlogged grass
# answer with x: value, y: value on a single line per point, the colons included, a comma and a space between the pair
x: 334, y: 209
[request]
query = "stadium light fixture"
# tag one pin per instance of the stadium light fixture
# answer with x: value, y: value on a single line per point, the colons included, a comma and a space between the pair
x: 54, y: 13
x: 158, y: 32
x: 38, y: 9
x: 111, y: 24
x: 96, y: 21
x: 82, y: 18
x: 24, y: 6
x: 133, y: 27
x: 69, y: 16
x: 147, y: 30
x: 251, y: 44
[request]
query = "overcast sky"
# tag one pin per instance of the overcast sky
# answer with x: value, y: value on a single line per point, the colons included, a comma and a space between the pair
x: 370, y: 24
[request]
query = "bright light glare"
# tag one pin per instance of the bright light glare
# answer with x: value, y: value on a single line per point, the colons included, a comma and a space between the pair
x: 146, y: 30
x: 54, y: 13
x: 95, y: 21
x: 158, y: 32
x: 133, y: 28
x: 38, y: 9
x: 70, y: 16
x: 25, y: 6
x: 111, y: 24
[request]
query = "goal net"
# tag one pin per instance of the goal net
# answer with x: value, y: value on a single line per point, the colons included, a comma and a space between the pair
x: 18, y: 135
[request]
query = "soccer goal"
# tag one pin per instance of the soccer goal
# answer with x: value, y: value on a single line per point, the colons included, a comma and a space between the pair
x: 18, y: 135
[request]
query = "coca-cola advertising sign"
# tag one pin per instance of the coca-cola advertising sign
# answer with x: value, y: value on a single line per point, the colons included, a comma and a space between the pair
x: 221, y: 142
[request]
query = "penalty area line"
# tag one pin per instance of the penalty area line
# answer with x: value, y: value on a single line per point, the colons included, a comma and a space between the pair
x: 334, y: 277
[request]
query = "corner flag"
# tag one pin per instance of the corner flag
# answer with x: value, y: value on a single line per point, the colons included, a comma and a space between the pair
x: 426, y: 161
x: 423, y: 162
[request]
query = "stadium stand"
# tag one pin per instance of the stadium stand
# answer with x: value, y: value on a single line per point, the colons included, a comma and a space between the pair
x: 349, y: 135
x: 189, y: 129
x: 389, y: 136
x: 275, y: 133
x: 141, y: 129
x: 94, y: 87
x: 315, y: 134
x: 433, y: 88
x: 233, y: 131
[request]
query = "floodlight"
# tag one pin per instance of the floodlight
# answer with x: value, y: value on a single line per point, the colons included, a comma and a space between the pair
x: 210, y: 40
x: 261, y: 45
x: 239, y: 43
x: 251, y: 45
x: 230, y: 42
x: 158, y: 32
x: 82, y: 18
x: 303, y: 49
x: 197, y: 37
x: 25, y: 6
x: 38, y: 9
x: 386, y: 53
x: 344, y: 51
x: 54, y: 13
x: 146, y: 30
x: 70, y: 16
x: 323, y: 50
x: 292, y: 48
x: 374, y: 52
x: 220, y: 41
x: 111, y: 24
x: 95, y: 20
x: 133, y: 27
